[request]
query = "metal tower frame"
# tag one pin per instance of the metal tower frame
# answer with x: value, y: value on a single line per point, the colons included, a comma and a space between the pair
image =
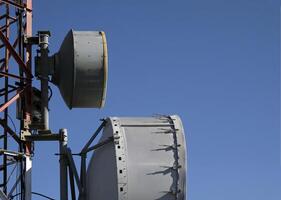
x: 16, y: 88
x: 16, y: 43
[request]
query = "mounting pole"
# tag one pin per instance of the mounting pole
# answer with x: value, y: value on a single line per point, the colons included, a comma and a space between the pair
x: 63, y: 166
x: 44, y: 76
x: 28, y: 177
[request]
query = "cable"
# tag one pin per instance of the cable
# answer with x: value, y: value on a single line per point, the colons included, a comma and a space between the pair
x: 42, y: 195
x: 12, y: 172
x: 51, y: 93
x: 35, y: 193
x: 15, y: 128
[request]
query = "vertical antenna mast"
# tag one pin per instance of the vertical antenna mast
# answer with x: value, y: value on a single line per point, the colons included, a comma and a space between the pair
x: 16, y: 86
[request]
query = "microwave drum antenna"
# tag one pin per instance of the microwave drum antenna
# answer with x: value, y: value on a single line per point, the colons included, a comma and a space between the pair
x: 146, y: 160
x: 80, y: 69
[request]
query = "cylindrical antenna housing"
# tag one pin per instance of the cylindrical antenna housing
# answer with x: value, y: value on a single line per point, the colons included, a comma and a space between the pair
x: 146, y: 160
x: 81, y: 67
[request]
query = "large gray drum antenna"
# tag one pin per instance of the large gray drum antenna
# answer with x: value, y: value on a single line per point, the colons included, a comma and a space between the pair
x: 146, y: 161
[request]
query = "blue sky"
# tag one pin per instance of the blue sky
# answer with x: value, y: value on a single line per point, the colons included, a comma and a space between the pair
x: 214, y: 63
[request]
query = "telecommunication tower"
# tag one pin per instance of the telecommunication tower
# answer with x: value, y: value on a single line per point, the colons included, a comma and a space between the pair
x: 140, y: 158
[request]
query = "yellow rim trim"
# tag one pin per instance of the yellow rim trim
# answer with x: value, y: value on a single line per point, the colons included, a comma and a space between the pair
x: 105, y: 65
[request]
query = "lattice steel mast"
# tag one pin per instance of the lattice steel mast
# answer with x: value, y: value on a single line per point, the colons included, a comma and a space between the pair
x: 16, y: 86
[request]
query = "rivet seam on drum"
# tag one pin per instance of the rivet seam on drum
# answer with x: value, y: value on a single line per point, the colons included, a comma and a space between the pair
x: 120, y: 159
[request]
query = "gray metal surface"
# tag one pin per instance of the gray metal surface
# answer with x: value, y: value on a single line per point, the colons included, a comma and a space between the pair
x: 146, y: 161
x: 81, y: 69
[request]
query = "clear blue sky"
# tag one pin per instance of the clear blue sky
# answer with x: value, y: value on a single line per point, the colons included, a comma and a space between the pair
x: 214, y: 63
